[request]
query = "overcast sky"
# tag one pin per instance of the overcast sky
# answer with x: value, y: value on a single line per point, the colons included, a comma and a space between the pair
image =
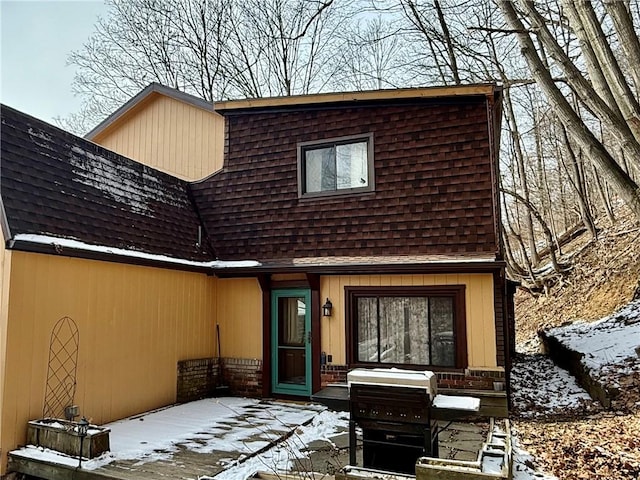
x: 36, y: 38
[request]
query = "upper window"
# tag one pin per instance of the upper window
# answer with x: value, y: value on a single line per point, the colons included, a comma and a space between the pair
x: 335, y: 166
x: 422, y: 326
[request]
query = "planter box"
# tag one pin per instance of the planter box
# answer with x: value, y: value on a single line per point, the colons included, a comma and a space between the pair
x: 62, y: 436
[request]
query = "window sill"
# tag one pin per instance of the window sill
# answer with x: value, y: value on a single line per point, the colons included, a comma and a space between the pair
x: 337, y: 195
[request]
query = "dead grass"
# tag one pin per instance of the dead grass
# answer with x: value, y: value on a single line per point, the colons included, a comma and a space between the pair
x: 604, y: 277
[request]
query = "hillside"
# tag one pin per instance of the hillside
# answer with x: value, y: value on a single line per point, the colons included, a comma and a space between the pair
x: 570, y: 435
x: 605, y: 276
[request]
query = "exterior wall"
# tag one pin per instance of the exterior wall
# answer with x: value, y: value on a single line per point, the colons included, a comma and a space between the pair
x: 481, y: 331
x: 170, y: 135
x: 5, y: 274
x: 135, y: 324
x: 238, y: 307
x: 434, y: 191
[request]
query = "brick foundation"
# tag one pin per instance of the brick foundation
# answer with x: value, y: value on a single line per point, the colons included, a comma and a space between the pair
x: 196, y: 379
x: 199, y: 378
x: 243, y: 376
x: 471, y: 379
x: 333, y: 374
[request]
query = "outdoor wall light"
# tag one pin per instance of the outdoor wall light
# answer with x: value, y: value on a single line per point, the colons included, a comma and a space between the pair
x: 326, y: 308
x: 83, y: 428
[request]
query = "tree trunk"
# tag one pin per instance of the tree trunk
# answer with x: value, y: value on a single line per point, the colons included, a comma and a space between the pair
x: 453, y: 63
x: 614, y: 122
x: 606, y: 165
x: 578, y: 182
x: 619, y: 12
x: 625, y: 99
x: 522, y: 174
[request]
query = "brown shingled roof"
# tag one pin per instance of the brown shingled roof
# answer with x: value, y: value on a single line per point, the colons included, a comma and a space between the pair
x: 56, y: 184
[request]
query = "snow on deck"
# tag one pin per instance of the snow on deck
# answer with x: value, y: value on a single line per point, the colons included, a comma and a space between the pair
x: 454, y: 402
x: 235, y: 429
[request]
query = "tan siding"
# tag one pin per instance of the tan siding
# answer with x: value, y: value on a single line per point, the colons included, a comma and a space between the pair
x: 239, y: 313
x: 5, y: 272
x: 169, y: 135
x: 481, y: 344
x: 135, y: 323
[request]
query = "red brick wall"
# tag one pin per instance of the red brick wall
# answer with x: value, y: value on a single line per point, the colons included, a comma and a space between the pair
x: 469, y: 379
x: 197, y: 379
x: 333, y: 374
x: 243, y: 376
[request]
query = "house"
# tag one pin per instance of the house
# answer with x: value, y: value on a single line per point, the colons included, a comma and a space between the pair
x: 381, y: 206
x: 162, y: 127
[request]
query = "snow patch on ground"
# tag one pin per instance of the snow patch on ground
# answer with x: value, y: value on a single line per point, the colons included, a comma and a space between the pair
x: 605, y: 342
x: 540, y: 388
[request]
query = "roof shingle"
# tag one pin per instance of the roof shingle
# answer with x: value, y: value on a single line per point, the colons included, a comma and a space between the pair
x: 54, y: 183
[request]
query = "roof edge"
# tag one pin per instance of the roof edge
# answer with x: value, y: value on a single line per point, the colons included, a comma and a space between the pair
x: 33, y: 247
x: 354, y: 269
x: 4, y: 222
x: 144, y: 94
x: 483, y: 89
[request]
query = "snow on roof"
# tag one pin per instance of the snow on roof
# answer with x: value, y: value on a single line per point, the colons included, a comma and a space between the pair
x: 78, y: 245
x: 121, y: 182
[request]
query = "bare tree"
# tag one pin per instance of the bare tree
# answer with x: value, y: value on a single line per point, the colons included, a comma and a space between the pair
x: 373, y: 55
x: 215, y: 49
x: 282, y: 47
x: 597, y: 152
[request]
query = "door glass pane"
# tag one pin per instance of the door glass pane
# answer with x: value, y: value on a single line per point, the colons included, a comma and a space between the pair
x: 291, y: 315
x: 404, y: 330
x: 291, y: 366
x: 443, y: 351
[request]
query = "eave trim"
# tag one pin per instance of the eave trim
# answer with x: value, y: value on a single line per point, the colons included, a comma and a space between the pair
x: 4, y: 222
x: 407, y: 268
x: 488, y: 89
x: 32, y: 247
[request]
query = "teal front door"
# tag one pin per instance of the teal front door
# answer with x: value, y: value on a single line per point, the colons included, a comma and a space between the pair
x: 291, y: 341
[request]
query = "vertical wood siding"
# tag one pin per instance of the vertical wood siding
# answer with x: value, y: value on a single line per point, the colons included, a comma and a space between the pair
x: 481, y: 341
x: 5, y: 273
x: 239, y: 314
x: 169, y: 135
x: 135, y: 324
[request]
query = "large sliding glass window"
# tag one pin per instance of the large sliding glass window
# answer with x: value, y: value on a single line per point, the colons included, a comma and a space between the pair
x: 408, y: 326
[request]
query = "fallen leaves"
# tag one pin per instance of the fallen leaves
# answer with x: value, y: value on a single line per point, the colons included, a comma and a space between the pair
x: 602, y: 446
